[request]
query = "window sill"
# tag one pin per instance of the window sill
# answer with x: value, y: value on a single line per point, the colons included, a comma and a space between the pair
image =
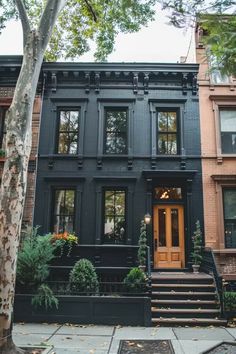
x: 225, y: 251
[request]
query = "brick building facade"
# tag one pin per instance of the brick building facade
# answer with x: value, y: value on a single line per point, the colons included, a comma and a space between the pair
x: 217, y: 95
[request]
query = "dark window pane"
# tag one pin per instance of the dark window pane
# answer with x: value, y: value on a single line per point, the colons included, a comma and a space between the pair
x: 228, y: 131
x: 64, y: 210
x: 175, y: 227
x: 172, y: 122
x: 116, y: 132
x: 68, y: 132
x: 229, y: 199
x: 167, y: 133
x: 167, y: 144
x: 162, y: 227
x: 171, y: 193
x: 114, y: 216
x: 162, y: 121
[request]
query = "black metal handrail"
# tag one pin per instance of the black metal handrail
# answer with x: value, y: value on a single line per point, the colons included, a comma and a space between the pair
x: 209, y: 266
x: 149, y: 273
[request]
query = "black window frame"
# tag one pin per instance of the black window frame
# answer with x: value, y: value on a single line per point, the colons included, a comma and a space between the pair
x: 116, y: 109
x: 177, y: 133
x: 227, y: 134
x: 58, y: 132
x: 227, y: 220
x: 53, y: 214
x: 118, y: 189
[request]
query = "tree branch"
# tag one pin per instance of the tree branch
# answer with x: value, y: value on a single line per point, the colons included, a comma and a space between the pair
x: 48, y: 19
x: 24, y: 18
x: 89, y: 6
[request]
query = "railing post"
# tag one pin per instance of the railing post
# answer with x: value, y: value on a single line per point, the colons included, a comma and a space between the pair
x: 149, y: 269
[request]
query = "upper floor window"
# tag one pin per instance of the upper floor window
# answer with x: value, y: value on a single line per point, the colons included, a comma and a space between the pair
x: 229, y: 200
x: 68, y: 131
x: 2, y: 129
x: 116, y: 131
x: 217, y: 77
x: 114, y: 216
x: 63, y: 210
x: 167, y: 132
x: 228, y: 130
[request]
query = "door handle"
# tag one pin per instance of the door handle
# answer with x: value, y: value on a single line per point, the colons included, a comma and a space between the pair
x: 155, y: 244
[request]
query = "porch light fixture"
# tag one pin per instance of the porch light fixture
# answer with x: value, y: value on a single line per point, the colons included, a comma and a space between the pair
x: 147, y: 218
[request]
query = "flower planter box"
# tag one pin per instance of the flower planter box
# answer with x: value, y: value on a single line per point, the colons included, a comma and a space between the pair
x: 107, y: 310
x: 229, y: 314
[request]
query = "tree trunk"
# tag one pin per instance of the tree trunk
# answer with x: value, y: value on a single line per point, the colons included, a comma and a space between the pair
x: 14, y: 181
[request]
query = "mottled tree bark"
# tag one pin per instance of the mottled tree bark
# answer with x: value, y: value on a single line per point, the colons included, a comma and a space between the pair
x: 18, y: 146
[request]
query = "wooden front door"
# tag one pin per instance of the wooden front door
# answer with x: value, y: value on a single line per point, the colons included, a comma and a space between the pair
x: 169, y: 236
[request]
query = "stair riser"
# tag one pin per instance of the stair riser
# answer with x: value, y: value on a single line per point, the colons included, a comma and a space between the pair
x: 190, y: 324
x: 209, y: 297
x: 185, y: 315
x: 182, y: 281
x: 186, y: 306
x: 183, y: 288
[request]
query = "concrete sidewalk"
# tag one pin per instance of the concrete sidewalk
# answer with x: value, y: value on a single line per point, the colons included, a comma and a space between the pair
x: 91, y: 339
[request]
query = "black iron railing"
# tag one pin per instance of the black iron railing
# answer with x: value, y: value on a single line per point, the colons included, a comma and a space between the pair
x: 104, y: 289
x: 209, y: 266
x: 148, y: 271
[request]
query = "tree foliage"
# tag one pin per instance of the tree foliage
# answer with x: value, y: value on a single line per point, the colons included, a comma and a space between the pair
x: 83, y: 21
x: 217, y: 19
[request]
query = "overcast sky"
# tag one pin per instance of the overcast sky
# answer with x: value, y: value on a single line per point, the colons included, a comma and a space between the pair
x: 159, y: 42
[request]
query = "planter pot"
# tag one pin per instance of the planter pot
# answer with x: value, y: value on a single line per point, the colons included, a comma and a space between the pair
x: 196, y: 268
x: 106, y: 310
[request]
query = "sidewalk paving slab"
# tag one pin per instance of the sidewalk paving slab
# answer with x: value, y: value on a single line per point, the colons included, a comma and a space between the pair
x: 43, y: 328
x: 89, y: 343
x: 197, y: 346
x: 201, y: 334
x: 30, y: 339
x: 90, y: 330
x: 144, y: 333
x: 232, y: 331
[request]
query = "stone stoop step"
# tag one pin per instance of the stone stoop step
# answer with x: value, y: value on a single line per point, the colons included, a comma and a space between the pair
x: 184, y: 299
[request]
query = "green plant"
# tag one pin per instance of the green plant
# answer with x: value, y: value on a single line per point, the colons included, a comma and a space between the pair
x: 83, y: 278
x: 197, y: 245
x: 135, y: 281
x: 63, y: 239
x: 33, y: 260
x: 229, y: 300
x: 44, y: 298
x: 2, y: 153
x: 142, y: 251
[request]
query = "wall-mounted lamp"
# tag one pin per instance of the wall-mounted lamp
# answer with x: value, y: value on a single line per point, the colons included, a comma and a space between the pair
x: 147, y: 218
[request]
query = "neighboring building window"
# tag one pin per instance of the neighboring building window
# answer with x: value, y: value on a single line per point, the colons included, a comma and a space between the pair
x: 64, y: 210
x: 229, y: 199
x: 68, y: 132
x: 215, y: 73
x: 228, y: 130
x: 2, y: 129
x: 167, y: 133
x: 114, y: 216
x: 115, y: 131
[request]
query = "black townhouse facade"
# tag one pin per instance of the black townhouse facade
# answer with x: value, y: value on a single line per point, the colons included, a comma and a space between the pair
x: 118, y: 141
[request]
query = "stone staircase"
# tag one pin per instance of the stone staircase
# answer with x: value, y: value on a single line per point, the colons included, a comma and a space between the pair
x: 184, y: 298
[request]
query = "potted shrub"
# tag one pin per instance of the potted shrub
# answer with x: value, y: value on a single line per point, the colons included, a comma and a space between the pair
x: 197, y: 248
x: 135, y: 281
x: 83, y: 278
x: 142, y: 251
